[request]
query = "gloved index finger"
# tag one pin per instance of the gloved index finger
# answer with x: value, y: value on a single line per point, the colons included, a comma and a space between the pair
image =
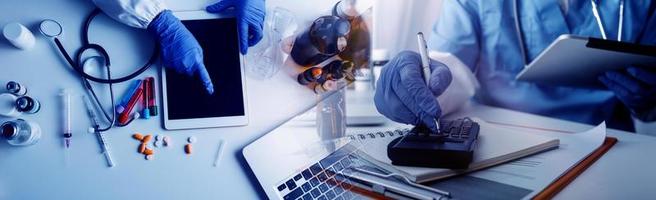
x: 255, y: 34
x: 413, y: 81
x: 205, y: 78
x: 243, y: 37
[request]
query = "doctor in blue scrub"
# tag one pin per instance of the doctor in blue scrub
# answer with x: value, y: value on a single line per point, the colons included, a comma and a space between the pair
x: 494, y: 39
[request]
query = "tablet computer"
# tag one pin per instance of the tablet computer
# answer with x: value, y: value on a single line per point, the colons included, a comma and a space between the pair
x: 186, y: 103
x: 578, y: 61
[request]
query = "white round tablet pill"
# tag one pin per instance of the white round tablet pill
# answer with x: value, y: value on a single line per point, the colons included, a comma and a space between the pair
x: 149, y: 157
x: 158, y: 137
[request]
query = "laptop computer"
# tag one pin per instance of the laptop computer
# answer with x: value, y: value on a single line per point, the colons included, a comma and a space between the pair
x: 295, y: 161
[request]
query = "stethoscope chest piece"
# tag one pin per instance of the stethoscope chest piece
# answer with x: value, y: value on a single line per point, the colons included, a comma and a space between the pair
x: 50, y: 28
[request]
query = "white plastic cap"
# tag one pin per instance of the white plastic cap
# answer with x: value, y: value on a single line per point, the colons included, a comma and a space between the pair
x: 18, y: 35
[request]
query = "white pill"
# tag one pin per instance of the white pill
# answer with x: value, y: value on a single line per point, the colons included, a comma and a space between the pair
x: 158, y: 137
x: 157, y: 143
x: 191, y: 139
x: 149, y: 157
x: 166, y: 140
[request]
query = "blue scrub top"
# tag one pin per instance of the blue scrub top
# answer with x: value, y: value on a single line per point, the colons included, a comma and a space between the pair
x: 482, y: 34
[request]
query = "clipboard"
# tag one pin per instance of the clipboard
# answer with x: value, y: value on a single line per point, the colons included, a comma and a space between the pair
x: 554, y: 188
x: 576, y: 61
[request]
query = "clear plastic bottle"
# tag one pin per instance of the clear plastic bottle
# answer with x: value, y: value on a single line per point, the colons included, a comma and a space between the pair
x: 20, y: 132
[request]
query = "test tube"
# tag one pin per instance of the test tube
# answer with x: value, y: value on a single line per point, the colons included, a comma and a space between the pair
x: 126, y: 97
x: 66, y: 117
x: 124, y: 117
x: 152, y: 102
x: 145, y: 113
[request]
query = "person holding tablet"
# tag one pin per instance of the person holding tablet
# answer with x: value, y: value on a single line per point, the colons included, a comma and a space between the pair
x: 494, y: 40
x: 179, y: 48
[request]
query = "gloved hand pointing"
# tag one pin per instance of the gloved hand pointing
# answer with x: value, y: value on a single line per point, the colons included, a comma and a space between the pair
x: 250, y: 19
x: 402, y: 94
x: 180, y: 50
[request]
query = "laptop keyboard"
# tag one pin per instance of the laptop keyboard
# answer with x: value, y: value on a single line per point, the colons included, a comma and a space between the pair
x: 322, y: 180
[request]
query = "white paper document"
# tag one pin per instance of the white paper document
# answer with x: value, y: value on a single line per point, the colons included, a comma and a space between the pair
x: 536, y: 172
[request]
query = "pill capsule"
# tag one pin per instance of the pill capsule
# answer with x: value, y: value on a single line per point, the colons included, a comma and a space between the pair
x: 137, y: 136
x: 188, y: 148
x: 142, y: 148
x: 148, y: 151
x: 146, y: 138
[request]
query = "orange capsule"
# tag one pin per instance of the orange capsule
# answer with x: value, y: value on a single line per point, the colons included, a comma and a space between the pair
x: 188, y: 148
x: 146, y: 138
x: 148, y: 151
x: 142, y: 148
x: 137, y: 136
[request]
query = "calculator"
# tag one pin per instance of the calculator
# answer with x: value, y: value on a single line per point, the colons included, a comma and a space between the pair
x: 453, y: 147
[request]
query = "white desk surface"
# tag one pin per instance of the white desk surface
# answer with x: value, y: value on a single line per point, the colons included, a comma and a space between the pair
x: 39, y: 171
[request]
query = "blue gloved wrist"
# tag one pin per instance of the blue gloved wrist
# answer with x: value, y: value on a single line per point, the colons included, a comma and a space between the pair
x: 250, y: 19
x: 161, y: 21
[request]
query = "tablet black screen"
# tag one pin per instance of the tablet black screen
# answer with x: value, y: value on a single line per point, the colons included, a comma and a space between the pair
x: 186, y: 96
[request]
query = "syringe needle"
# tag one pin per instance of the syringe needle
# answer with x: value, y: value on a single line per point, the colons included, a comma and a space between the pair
x: 101, y: 138
x: 66, y: 112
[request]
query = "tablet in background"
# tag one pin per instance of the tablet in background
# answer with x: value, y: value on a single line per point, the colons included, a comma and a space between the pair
x: 577, y: 61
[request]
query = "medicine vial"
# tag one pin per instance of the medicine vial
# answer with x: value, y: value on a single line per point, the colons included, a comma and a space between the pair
x: 16, y: 88
x: 20, y: 132
x: 28, y: 105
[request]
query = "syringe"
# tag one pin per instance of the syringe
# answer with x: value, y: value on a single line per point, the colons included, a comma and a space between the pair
x: 94, y: 129
x: 66, y: 118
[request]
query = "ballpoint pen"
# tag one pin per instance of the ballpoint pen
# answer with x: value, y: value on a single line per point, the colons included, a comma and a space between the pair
x: 382, y: 187
x: 425, y: 64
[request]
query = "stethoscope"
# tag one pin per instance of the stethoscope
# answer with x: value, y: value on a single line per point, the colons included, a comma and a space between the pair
x: 53, y: 29
x: 595, y: 13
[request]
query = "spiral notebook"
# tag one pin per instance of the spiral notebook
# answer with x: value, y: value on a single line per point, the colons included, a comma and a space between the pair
x: 495, y: 146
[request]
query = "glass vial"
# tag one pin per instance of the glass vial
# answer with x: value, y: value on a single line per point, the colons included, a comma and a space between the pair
x: 16, y: 88
x: 28, y: 105
x: 20, y: 132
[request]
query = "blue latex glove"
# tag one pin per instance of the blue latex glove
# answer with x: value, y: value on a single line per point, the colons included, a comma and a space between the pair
x: 636, y: 88
x: 180, y: 50
x: 402, y: 94
x: 250, y: 19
